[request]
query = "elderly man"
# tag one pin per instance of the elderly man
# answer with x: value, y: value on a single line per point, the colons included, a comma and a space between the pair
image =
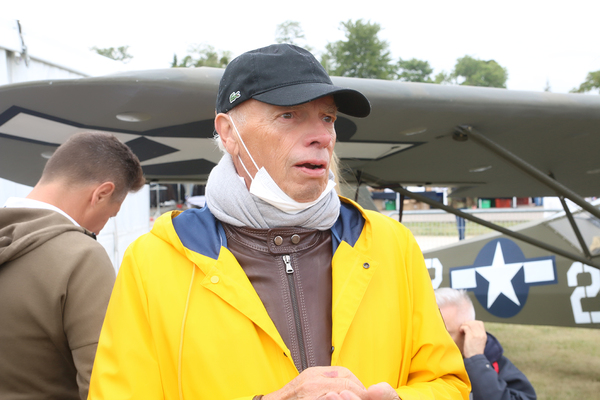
x: 278, y: 289
x: 493, y: 376
x: 55, y: 279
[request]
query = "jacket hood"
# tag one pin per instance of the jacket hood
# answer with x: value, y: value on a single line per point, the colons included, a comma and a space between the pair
x: 493, y: 349
x: 24, y: 229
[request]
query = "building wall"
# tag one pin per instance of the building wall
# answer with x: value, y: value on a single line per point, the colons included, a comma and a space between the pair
x: 25, y: 57
x: 15, y: 69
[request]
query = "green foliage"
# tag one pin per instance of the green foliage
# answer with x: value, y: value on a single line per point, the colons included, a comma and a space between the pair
x: 475, y: 72
x: 118, y: 54
x: 414, y: 70
x: 361, y: 55
x: 327, y: 62
x: 592, y: 82
x: 442, y: 78
x: 291, y: 32
x: 202, y: 56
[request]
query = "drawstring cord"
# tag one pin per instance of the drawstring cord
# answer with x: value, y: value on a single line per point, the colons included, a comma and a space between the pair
x: 187, y: 303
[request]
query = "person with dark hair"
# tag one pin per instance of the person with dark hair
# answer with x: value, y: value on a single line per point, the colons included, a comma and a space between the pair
x: 55, y: 279
x: 278, y: 288
x: 492, y: 375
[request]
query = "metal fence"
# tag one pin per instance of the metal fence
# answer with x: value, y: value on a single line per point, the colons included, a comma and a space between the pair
x: 436, y: 228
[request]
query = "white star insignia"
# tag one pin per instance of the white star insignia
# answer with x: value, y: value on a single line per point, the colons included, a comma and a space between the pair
x: 499, y: 275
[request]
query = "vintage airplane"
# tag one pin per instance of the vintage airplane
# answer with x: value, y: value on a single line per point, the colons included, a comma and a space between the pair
x: 482, y: 142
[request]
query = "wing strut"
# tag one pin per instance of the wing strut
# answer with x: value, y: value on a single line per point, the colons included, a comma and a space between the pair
x: 584, y: 247
x: 464, y: 132
x: 507, y: 232
x: 358, y: 182
x: 401, y: 210
x: 574, y: 226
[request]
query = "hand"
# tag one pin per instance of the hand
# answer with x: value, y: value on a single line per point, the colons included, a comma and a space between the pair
x: 382, y: 391
x: 475, y: 338
x: 327, y: 383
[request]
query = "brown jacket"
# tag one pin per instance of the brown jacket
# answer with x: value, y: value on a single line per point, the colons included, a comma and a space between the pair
x: 55, y: 283
x: 290, y: 269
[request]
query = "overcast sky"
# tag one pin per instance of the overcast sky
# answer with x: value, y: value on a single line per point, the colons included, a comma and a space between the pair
x: 537, y: 41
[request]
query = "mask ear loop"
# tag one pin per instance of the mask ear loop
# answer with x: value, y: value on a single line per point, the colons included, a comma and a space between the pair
x: 249, y: 155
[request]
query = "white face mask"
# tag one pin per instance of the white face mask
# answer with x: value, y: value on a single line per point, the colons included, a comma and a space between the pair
x: 265, y: 188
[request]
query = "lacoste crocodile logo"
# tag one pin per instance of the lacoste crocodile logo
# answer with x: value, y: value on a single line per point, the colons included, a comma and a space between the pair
x: 234, y: 96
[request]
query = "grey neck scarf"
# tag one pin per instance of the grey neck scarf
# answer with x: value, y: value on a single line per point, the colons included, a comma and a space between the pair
x: 230, y: 201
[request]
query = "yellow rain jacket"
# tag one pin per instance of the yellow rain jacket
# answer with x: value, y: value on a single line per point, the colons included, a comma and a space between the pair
x: 184, y: 321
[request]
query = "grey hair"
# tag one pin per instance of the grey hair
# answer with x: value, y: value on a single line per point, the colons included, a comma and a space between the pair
x: 240, y: 120
x: 455, y: 297
x: 219, y: 142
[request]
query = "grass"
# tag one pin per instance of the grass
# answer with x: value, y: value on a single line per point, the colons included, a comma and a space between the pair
x: 561, y: 363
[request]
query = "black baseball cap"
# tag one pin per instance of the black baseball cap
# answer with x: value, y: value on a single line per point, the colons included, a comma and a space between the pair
x: 284, y: 75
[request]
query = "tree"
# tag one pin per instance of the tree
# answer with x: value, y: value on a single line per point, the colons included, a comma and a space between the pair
x: 291, y: 32
x: 202, y: 56
x: 592, y: 82
x: 443, y: 77
x: 414, y: 70
x: 118, y: 54
x: 361, y: 55
x: 474, y: 72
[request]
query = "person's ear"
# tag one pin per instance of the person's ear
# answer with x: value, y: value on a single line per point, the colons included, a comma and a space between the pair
x: 225, y: 129
x: 103, y: 193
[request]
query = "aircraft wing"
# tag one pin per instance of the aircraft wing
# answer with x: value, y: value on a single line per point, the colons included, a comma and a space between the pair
x: 414, y: 136
x: 166, y: 117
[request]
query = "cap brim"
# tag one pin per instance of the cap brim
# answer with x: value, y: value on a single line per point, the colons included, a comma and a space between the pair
x: 348, y: 101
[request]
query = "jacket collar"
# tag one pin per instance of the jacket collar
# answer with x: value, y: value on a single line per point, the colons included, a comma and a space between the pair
x: 199, y: 230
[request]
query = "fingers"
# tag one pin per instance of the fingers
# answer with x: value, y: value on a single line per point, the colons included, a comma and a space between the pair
x: 473, y: 329
x: 332, y: 383
x: 475, y: 326
x: 475, y: 338
x: 379, y: 391
x: 328, y: 383
x: 382, y: 391
x: 340, y: 373
x: 344, y: 395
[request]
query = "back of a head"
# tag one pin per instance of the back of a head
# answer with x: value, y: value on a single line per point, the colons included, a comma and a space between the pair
x: 95, y: 157
x: 455, y: 297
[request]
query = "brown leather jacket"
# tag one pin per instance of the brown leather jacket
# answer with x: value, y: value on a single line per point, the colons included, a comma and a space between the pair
x: 290, y: 269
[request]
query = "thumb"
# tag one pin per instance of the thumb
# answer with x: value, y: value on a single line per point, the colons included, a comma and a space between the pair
x: 382, y: 391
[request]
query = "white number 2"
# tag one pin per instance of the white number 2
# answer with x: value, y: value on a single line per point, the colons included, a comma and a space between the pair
x: 438, y: 270
x: 582, y: 292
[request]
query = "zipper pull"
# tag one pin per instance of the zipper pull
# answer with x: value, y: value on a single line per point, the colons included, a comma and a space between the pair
x: 288, y: 264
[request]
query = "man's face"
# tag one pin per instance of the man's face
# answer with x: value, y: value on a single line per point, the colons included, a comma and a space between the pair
x: 294, y: 144
x: 453, y: 319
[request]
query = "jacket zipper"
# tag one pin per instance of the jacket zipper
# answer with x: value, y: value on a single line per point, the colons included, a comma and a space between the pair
x: 287, y: 260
